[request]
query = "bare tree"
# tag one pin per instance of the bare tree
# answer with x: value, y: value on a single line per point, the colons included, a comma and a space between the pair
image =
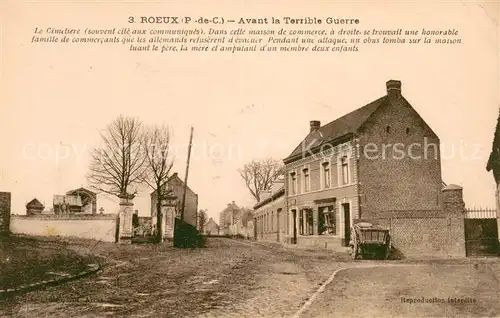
x: 156, y: 143
x: 202, y: 219
x: 260, y: 174
x: 120, y: 162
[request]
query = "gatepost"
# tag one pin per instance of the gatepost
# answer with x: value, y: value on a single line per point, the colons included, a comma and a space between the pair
x: 126, y: 214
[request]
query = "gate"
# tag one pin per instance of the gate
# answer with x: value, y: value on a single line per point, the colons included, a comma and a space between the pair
x: 481, y: 232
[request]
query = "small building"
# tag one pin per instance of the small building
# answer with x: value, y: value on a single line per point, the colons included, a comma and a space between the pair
x: 176, y: 186
x: 34, y: 207
x: 211, y: 228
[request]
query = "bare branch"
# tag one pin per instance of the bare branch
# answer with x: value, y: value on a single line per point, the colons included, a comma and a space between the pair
x: 119, y: 163
x: 259, y: 175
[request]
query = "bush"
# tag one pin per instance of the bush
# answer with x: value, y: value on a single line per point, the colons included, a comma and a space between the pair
x: 186, y: 235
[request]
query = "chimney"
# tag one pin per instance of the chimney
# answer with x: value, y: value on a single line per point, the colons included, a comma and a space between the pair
x: 393, y: 89
x: 314, y: 125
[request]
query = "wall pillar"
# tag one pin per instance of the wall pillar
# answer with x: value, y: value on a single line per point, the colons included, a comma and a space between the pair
x: 454, y: 209
x: 126, y: 214
x: 5, y: 199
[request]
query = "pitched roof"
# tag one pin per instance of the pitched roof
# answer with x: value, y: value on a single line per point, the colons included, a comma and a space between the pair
x: 345, y: 125
x: 175, y: 175
x: 231, y: 207
x: 35, y: 204
x: 212, y: 221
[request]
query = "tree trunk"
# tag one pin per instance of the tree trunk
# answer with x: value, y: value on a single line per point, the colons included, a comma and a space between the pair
x: 158, y: 215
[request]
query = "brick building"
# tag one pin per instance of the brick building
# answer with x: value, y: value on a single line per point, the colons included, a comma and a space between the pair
x: 176, y: 185
x: 380, y: 157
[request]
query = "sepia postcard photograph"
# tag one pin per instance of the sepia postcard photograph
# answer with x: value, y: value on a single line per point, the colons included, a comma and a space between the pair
x: 232, y: 158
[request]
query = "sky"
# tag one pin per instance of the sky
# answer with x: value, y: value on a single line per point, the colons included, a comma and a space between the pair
x: 56, y: 99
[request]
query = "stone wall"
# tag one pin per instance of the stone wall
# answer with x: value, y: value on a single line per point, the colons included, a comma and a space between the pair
x: 4, y: 213
x: 94, y: 227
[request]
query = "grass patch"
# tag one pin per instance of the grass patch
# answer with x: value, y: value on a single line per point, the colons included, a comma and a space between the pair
x: 25, y: 260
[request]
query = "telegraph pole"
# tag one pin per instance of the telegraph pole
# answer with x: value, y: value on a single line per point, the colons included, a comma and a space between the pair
x: 187, y: 172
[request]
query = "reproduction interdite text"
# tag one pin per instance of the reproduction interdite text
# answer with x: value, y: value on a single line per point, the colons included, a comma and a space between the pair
x: 243, y: 35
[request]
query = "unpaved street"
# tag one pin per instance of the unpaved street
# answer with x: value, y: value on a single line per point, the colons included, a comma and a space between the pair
x: 228, y: 278
x: 234, y: 278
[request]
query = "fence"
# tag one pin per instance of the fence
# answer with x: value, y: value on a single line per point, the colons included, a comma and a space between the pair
x: 480, y: 213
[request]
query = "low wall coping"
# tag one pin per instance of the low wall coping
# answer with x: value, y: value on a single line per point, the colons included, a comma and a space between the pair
x: 65, y: 217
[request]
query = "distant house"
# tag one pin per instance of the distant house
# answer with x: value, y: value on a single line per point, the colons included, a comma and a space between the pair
x: 176, y: 185
x: 34, y: 207
x: 228, y: 217
x: 211, y: 228
x: 235, y: 220
x: 247, y: 223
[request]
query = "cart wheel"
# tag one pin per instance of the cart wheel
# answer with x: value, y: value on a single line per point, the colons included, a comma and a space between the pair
x: 355, y: 253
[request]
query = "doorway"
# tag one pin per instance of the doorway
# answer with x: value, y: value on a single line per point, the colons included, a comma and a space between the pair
x: 294, y: 218
x: 347, y: 223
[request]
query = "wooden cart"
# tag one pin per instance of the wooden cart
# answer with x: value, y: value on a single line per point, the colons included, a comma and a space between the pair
x: 368, y: 240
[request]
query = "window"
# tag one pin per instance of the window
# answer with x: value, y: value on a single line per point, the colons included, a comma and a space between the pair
x: 306, y: 179
x: 326, y: 175
x: 301, y: 222
x: 388, y: 129
x: 326, y: 221
x: 272, y: 221
x: 309, y: 222
x: 345, y: 170
x: 293, y: 183
x: 407, y: 130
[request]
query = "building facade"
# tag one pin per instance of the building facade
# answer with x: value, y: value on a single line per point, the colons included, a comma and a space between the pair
x: 270, y: 214
x: 176, y: 186
x: 381, y: 157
